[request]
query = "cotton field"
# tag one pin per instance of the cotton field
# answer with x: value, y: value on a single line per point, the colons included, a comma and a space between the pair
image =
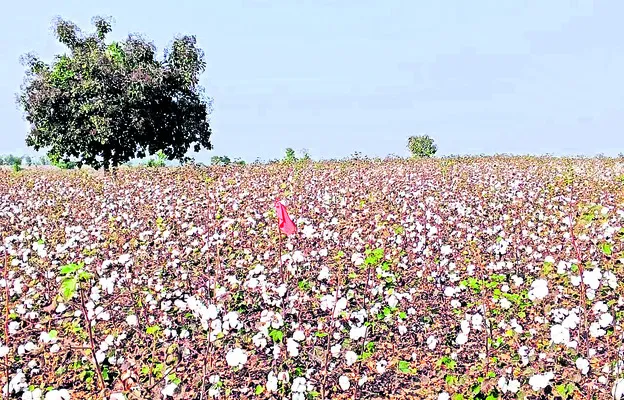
x: 476, y: 278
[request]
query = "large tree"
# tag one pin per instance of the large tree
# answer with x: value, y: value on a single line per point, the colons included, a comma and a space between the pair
x: 105, y: 103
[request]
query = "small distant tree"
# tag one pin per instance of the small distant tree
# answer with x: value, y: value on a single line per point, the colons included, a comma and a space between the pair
x: 104, y: 103
x: 17, y: 164
x: 421, y: 146
x: 306, y: 155
x: 220, y: 160
x: 159, y: 161
x: 43, y: 160
x: 290, y: 155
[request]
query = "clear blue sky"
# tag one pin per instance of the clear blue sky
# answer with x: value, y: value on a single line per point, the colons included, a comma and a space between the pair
x: 335, y: 77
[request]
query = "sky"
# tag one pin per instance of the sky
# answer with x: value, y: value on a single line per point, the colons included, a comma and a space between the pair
x: 336, y: 77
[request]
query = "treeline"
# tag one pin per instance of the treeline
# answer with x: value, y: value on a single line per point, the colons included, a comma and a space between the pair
x: 11, y: 159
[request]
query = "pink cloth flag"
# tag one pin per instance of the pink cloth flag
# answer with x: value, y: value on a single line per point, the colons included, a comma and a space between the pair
x: 285, y: 223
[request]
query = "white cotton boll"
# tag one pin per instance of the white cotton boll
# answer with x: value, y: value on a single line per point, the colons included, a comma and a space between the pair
x: 61, y: 394
x: 393, y: 301
x: 212, y: 312
x: 341, y: 305
x: 236, y: 357
x: 4, y: 350
x: 327, y: 302
x: 61, y: 308
x: 539, y: 289
x: 55, y: 348
x: 583, y: 365
x: 323, y: 274
x: 455, y: 303
x: 477, y: 320
x: 335, y: 349
x: 559, y: 334
x: 169, y: 390
x: 465, y: 326
x: 124, y: 258
x: 461, y: 339
x: 299, y: 335
x: 292, y: 347
x: 444, y: 396
x: 259, y: 340
x: 402, y: 329
x: 502, y: 384
x: 14, y: 326
x: 445, y: 250
x: 592, y: 278
x: 357, y: 333
x: 117, y: 396
x: 271, y: 384
x: 36, y: 394
x: 600, y: 307
x: 449, y: 291
x: 432, y: 342
x: 595, y: 330
x: 513, y: 386
x: 618, y: 389
x: 380, y: 367
x: 605, y: 320
x: 505, y: 304
x: 299, y: 385
x: 540, y: 381
x: 344, y: 383
x: 350, y: 357
x: 132, y: 320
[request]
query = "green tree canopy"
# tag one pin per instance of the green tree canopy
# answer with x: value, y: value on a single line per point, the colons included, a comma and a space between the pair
x: 421, y: 146
x: 103, y: 104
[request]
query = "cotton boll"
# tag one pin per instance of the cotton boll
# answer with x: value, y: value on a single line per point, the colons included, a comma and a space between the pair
x: 540, y: 381
x: 344, y: 383
x: 357, y: 333
x: 513, y: 386
x: 131, y: 320
x: 583, y: 365
x: 605, y: 320
x: 592, y: 278
x: 271, y: 384
x: 595, y: 330
x: 236, y: 357
x: 539, y: 290
x: 432, y: 342
x: 461, y: 339
x: 350, y: 357
x: 380, y: 367
x: 169, y: 390
x: 292, y: 347
x: 559, y: 334
x: 62, y: 394
x: 323, y: 274
x: 618, y: 389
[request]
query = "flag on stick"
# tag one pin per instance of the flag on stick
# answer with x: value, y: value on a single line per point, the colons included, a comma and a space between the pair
x: 285, y: 223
